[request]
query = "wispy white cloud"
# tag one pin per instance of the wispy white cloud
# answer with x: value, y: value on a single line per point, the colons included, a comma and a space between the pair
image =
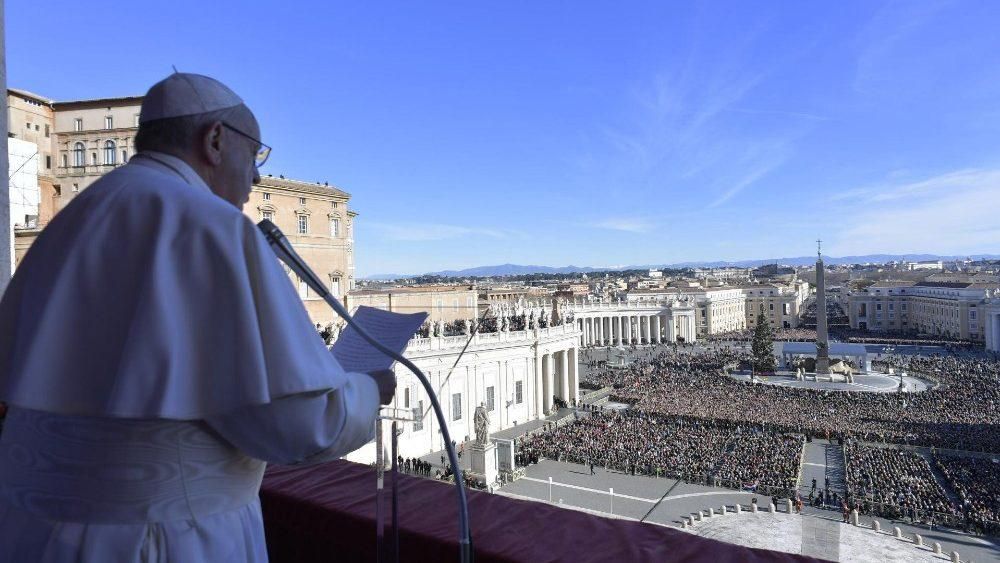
x: 878, y: 41
x: 689, y: 131
x: 951, y: 213
x: 627, y: 224
x: 761, y: 167
x: 797, y: 114
x: 438, y: 231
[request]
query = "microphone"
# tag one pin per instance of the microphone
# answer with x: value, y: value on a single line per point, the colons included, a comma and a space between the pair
x: 283, y: 249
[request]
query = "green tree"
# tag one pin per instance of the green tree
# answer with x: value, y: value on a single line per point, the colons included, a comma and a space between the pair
x: 763, y: 346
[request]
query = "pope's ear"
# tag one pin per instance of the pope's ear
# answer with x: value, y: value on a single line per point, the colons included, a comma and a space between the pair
x: 211, y: 143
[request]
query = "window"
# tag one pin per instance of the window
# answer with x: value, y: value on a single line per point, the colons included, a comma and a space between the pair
x: 267, y: 196
x: 878, y: 306
x: 135, y: 123
x: 48, y: 161
x: 302, y: 201
x: 109, y: 152
x: 78, y: 124
x: 46, y: 129
x: 65, y: 161
x: 335, y: 227
x: 335, y: 287
x: 490, y: 398
x: 269, y: 215
x: 770, y: 306
x: 334, y: 204
x: 78, y: 155
x: 519, y: 392
x: 303, y: 224
x: 76, y: 188
x: 108, y: 122
x: 124, y: 156
x: 418, y: 421
x: 456, y: 406
x: 93, y: 158
x: 406, y: 398
x: 972, y: 314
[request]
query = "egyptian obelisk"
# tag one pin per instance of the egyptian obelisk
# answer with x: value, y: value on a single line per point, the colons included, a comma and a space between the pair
x: 822, y: 335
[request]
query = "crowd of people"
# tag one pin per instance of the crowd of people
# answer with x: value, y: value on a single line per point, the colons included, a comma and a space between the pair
x: 746, y: 335
x: 860, y: 336
x: 689, y: 419
x: 894, y: 483
x: 695, y: 450
x: 961, y: 413
x: 976, y: 481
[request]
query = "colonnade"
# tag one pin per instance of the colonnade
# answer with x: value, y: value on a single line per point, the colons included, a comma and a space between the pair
x: 622, y: 328
x: 558, y: 376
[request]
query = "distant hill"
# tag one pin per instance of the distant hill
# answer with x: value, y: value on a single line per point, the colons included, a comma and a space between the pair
x: 516, y: 269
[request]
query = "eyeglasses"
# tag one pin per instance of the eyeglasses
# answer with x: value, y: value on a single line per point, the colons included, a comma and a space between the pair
x: 262, y: 153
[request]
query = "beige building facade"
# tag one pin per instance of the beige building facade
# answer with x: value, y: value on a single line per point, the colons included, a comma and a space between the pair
x: 951, y: 310
x: 442, y: 303
x: 782, y: 304
x: 320, y: 226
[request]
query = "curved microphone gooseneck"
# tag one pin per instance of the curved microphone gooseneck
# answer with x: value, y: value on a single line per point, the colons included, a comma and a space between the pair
x: 283, y: 249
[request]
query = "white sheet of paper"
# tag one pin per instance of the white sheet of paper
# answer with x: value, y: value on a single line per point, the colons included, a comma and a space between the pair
x: 392, y: 330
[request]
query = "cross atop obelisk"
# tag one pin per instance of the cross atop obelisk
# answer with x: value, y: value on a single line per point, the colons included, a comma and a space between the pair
x: 819, y: 248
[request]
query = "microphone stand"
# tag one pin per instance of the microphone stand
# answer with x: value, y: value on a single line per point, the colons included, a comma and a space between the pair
x: 284, y: 251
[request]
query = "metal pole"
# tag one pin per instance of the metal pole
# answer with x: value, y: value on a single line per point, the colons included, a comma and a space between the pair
x: 612, y: 491
x: 550, y: 489
x: 379, y: 485
x: 395, y: 493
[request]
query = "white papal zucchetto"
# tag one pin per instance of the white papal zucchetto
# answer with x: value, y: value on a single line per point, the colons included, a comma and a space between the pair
x: 182, y: 94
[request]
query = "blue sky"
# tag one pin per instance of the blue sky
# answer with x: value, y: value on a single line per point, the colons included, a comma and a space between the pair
x: 587, y: 133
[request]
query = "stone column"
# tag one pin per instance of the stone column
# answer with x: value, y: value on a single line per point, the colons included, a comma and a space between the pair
x: 564, y: 376
x: 627, y: 333
x: 574, y: 375
x: 616, y: 331
x: 656, y: 329
x: 550, y: 368
x: 539, y: 386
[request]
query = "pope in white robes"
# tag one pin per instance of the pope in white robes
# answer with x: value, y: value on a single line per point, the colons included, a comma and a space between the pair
x: 154, y: 356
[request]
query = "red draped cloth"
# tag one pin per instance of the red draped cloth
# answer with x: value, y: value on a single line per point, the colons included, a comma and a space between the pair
x: 327, y: 513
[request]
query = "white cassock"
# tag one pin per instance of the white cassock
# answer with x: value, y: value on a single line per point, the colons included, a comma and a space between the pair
x: 154, y: 356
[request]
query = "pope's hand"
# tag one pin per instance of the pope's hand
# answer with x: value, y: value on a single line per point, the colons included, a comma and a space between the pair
x: 386, y: 381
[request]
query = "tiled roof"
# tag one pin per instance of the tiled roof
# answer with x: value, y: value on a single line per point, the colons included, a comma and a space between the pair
x: 309, y: 187
x: 27, y: 94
